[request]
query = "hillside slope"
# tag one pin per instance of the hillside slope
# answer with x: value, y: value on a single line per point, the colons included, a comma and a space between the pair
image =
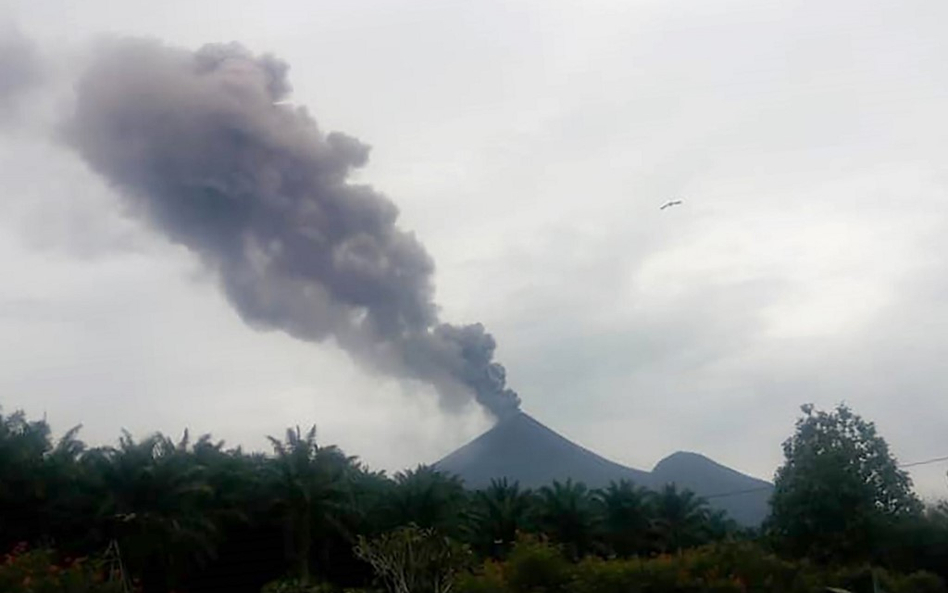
x: 522, y: 449
x: 745, y: 498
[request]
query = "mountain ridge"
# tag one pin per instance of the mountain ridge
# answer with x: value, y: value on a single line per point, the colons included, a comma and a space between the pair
x: 522, y: 449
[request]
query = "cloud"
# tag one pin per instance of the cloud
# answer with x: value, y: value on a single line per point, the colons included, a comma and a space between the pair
x: 530, y: 153
x: 21, y: 69
x: 710, y: 334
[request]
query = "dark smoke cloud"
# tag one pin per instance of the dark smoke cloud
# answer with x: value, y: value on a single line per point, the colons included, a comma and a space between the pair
x: 20, y: 68
x: 202, y: 146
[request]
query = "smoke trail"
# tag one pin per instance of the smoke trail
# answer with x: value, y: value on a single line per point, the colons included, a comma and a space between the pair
x: 202, y: 147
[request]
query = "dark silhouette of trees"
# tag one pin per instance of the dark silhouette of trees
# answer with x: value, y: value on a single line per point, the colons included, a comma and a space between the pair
x: 154, y: 503
x: 192, y: 516
x: 839, y: 492
x: 311, y: 491
x: 428, y: 498
x: 23, y: 448
x: 567, y: 514
x: 679, y: 518
x: 498, y: 514
x: 627, y: 512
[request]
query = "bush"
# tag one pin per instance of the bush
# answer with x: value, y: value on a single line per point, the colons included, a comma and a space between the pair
x: 297, y: 586
x: 859, y: 579
x: 753, y: 567
x: 36, y: 571
x: 919, y: 582
x: 535, y: 566
x: 489, y: 579
x: 414, y: 560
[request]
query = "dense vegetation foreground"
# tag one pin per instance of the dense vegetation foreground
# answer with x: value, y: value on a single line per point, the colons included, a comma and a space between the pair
x: 161, y: 514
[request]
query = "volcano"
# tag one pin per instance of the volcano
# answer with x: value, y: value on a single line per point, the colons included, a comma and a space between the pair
x: 521, y: 449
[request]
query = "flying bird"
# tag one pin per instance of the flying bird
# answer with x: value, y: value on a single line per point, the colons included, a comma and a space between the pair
x: 670, y: 204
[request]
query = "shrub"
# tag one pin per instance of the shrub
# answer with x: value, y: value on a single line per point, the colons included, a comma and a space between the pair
x: 665, y: 573
x: 860, y: 578
x: 414, y: 560
x: 37, y: 571
x: 535, y: 566
x: 296, y: 586
x: 489, y: 579
x: 919, y: 582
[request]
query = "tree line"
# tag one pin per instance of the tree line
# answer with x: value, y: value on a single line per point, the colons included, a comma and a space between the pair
x: 182, y: 514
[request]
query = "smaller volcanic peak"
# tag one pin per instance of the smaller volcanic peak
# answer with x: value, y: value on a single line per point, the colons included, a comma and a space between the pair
x: 522, y: 449
x: 744, y: 498
x: 684, y: 466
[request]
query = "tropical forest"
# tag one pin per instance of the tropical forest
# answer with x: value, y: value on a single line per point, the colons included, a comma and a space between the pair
x: 161, y: 514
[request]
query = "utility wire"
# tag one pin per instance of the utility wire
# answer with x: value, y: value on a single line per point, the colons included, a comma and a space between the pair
x: 762, y: 488
x: 736, y: 492
x: 926, y: 462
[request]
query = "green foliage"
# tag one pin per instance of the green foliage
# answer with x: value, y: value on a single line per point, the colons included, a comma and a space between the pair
x: 680, y: 518
x: 310, y: 484
x: 538, y: 567
x: 23, y: 447
x: 195, y: 516
x: 428, y: 498
x: 627, y: 513
x: 658, y: 574
x: 567, y: 514
x: 839, y: 491
x: 154, y: 503
x: 535, y: 565
x: 414, y: 560
x: 296, y: 586
x: 703, y: 569
x: 37, y: 571
x: 498, y: 514
x: 916, y: 582
x: 869, y: 579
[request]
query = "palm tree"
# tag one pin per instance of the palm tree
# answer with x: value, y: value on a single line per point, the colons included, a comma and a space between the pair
x: 70, y: 497
x: 626, y: 512
x: 680, y: 517
x: 154, y: 504
x: 427, y: 498
x: 310, y: 488
x: 567, y: 514
x: 372, y: 495
x: 500, y: 512
x: 719, y: 526
x: 23, y: 444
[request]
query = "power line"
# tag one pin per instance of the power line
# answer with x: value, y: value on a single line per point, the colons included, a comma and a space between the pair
x: 926, y: 462
x: 737, y: 492
x: 762, y: 488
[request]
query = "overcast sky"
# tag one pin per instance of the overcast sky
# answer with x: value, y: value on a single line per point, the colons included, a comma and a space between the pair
x: 529, y: 146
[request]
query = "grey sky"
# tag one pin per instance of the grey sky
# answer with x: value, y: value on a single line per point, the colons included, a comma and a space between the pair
x: 529, y: 146
x: 20, y: 70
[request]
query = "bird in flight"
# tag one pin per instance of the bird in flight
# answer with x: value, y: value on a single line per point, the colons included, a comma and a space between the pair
x: 670, y: 204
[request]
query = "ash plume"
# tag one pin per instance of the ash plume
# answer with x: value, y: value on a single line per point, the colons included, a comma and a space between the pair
x: 202, y: 146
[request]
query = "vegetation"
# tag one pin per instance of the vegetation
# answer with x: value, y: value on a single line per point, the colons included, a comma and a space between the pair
x: 840, y: 492
x: 414, y: 560
x: 738, y: 567
x: 160, y: 515
x: 38, y: 571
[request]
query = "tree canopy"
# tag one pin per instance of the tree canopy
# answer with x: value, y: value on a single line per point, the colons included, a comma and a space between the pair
x: 178, y: 514
x: 840, y: 489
